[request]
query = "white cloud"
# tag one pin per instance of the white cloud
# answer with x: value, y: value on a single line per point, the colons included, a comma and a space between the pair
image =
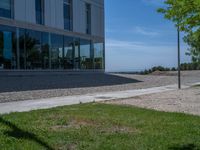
x: 154, y: 2
x: 145, y: 31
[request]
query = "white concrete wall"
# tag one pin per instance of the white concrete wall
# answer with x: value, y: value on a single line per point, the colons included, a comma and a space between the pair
x: 25, y: 11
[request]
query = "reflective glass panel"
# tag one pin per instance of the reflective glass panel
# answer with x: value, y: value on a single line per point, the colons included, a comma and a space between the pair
x: 39, y: 9
x: 33, y: 50
x: 56, y: 51
x: 68, y: 53
x: 45, y: 51
x: 86, y: 59
x: 22, y: 52
x: 88, y: 18
x: 98, y: 55
x: 76, y: 54
x: 67, y: 10
x: 6, y: 8
x: 8, y: 53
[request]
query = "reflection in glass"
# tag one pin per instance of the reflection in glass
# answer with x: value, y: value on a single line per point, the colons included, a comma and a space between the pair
x: 86, y: 60
x: 56, y: 51
x: 6, y: 7
x: 88, y: 18
x: 45, y: 51
x: 76, y: 54
x: 8, y: 54
x: 67, y: 10
x: 39, y: 10
x: 39, y: 50
x: 33, y: 49
x: 98, y: 55
x: 22, y: 53
x: 68, y: 53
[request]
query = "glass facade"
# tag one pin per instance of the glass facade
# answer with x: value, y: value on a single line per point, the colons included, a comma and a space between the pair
x: 67, y: 7
x: 6, y: 8
x: 56, y: 51
x: 34, y: 50
x: 68, y: 53
x: 98, y: 55
x: 8, y: 52
x: 39, y: 9
x: 86, y: 58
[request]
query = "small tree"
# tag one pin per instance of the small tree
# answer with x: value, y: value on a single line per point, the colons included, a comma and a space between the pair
x: 186, y: 15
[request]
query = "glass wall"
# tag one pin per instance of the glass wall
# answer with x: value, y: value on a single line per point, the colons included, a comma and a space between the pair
x: 22, y: 49
x: 34, y: 50
x: 45, y: 47
x: 68, y: 53
x: 86, y: 58
x: 8, y: 52
x: 56, y: 51
x: 98, y: 55
x: 76, y: 54
x: 6, y: 8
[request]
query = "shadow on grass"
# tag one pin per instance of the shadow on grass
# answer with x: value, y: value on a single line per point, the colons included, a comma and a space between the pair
x: 185, y: 147
x: 21, y: 134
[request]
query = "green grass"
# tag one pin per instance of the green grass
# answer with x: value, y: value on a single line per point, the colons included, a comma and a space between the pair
x: 99, y: 126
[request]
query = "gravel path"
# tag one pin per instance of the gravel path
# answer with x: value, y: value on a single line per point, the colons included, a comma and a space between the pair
x: 185, y: 101
x: 16, y: 87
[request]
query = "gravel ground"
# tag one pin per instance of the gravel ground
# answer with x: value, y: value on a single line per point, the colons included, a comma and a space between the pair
x: 25, y: 87
x: 185, y: 101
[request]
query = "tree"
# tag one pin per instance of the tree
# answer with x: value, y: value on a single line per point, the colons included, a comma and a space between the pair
x: 186, y: 15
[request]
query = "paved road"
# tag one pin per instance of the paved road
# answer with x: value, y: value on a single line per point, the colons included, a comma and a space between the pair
x: 17, y: 87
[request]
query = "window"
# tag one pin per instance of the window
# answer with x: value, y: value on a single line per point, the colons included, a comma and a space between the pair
x: 33, y: 49
x: 56, y: 51
x: 68, y: 53
x: 8, y: 53
x: 86, y: 59
x: 99, y: 55
x: 6, y: 8
x: 88, y: 18
x: 39, y: 6
x: 76, y: 54
x: 22, y: 48
x: 67, y: 14
x: 45, y: 50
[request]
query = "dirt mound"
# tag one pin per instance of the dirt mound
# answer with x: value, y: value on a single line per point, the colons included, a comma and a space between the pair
x: 164, y: 73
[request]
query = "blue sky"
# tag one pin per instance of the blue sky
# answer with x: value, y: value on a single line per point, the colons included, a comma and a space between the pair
x: 137, y: 37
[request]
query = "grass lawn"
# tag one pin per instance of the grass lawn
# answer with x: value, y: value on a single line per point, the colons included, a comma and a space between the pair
x: 99, y: 126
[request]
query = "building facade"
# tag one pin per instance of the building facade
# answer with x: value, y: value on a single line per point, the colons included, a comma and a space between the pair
x: 52, y: 34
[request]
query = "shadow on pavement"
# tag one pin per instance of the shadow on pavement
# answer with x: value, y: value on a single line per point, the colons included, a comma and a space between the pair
x: 43, y: 81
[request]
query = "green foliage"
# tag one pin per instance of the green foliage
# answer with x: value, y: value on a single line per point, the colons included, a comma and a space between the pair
x: 193, y: 40
x: 190, y: 66
x: 184, y: 67
x: 186, y: 15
